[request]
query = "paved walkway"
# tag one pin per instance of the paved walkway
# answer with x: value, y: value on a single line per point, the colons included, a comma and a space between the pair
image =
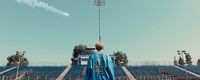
x: 62, y: 75
x: 130, y: 76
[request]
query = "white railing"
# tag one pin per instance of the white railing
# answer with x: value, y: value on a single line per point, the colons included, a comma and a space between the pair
x: 62, y: 75
x: 7, y: 70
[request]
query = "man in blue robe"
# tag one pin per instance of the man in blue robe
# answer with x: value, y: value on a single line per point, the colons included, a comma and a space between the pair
x: 100, y: 66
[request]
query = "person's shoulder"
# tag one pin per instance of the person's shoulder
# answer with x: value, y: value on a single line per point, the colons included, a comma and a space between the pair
x: 106, y: 55
x: 93, y: 55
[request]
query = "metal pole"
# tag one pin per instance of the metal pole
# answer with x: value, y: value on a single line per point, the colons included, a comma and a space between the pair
x: 29, y: 77
x: 20, y: 56
x: 3, y: 78
x: 186, y: 73
x: 182, y: 56
x: 18, y: 68
x: 99, y: 3
x: 46, y: 77
x: 99, y: 23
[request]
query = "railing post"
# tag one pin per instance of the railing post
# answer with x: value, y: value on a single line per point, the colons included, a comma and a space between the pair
x: 37, y: 77
x: 3, y: 78
x: 29, y: 77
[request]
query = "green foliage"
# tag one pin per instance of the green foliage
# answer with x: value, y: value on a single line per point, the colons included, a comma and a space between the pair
x: 181, y: 61
x: 175, y: 61
x: 78, y: 49
x: 120, y: 58
x: 13, y: 60
x: 198, y: 62
x: 188, y: 59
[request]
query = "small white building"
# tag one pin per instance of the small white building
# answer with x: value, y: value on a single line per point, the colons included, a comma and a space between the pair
x: 84, y: 56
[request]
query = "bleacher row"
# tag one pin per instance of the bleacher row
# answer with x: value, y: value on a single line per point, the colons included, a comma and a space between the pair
x: 160, y: 73
x: 78, y: 73
x: 195, y: 69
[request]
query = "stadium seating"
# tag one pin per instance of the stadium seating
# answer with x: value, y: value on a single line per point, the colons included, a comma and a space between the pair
x: 78, y: 72
x: 193, y: 68
x: 9, y: 74
x: 3, y: 68
x: 119, y: 72
x: 154, y: 72
x: 41, y: 73
x: 44, y: 72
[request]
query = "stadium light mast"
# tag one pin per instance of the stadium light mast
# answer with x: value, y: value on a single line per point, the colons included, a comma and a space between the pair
x: 181, y: 53
x: 99, y: 3
x: 21, y: 54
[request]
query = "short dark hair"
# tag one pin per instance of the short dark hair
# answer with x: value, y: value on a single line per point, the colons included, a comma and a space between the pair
x: 99, y: 46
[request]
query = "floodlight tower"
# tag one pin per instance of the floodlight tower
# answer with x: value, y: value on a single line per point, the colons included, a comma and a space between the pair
x: 99, y: 3
x: 20, y: 55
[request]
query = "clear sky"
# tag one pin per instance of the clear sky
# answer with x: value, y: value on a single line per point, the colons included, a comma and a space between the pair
x: 147, y: 30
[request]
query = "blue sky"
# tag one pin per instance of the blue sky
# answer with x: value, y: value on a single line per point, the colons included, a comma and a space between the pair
x: 147, y: 30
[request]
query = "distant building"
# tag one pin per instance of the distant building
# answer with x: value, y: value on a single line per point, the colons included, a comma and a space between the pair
x: 84, y: 56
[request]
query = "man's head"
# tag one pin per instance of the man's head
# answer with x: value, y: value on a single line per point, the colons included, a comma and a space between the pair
x: 99, y: 46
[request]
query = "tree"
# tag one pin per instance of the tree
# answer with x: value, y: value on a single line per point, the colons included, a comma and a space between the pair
x: 198, y: 62
x: 78, y: 49
x: 14, y: 60
x: 120, y: 57
x: 175, y: 61
x: 188, y: 58
x: 181, y: 61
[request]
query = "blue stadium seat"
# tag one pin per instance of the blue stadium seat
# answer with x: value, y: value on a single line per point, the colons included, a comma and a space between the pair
x: 155, y: 71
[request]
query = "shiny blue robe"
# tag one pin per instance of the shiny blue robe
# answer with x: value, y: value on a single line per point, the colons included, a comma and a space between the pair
x: 100, y: 67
